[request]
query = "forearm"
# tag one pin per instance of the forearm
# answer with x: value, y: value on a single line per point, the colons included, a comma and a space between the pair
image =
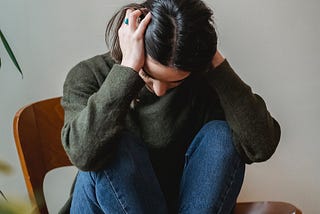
x: 93, y: 121
x: 256, y: 133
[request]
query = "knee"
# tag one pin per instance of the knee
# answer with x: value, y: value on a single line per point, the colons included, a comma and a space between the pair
x: 217, y: 126
x: 218, y: 130
x: 217, y: 136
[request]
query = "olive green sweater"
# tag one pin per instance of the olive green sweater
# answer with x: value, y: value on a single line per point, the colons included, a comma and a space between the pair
x: 101, y: 99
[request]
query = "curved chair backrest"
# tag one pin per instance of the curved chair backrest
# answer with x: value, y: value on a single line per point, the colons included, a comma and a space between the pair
x: 37, y: 133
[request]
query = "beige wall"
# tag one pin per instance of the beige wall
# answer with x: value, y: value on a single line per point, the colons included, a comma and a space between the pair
x: 273, y: 45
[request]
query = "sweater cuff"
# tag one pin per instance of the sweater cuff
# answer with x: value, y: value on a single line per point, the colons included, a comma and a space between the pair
x: 122, y: 82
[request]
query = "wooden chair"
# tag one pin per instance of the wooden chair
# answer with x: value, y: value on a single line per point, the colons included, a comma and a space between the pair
x: 266, y: 207
x: 37, y: 130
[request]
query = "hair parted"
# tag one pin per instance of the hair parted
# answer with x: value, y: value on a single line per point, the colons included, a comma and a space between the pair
x: 180, y: 34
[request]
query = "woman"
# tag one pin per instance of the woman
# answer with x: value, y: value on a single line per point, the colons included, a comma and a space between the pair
x: 161, y: 123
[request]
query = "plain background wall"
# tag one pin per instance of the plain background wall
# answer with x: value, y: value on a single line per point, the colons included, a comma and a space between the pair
x: 273, y: 45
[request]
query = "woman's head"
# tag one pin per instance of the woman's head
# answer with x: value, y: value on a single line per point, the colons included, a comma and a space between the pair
x: 180, y: 35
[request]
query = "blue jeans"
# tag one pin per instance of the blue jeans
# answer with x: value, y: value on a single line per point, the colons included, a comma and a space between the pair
x: 211, y: 181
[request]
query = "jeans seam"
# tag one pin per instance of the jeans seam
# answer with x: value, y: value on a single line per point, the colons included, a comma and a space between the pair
x: 116, y: 194
x: 229, y: 187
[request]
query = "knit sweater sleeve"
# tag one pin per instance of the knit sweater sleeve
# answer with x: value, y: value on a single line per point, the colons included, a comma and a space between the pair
x: 95, y: 112
x: 256, y: 133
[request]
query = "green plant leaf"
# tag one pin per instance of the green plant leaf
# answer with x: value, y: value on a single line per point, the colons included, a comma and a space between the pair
x: 1, y: 193
x: 7, y: 47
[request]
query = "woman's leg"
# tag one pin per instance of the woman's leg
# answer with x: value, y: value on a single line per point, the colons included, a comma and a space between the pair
x: 128, y: 185
x: 213, y: 172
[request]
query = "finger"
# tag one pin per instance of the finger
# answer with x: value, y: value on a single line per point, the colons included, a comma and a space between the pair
x: 133, y: 20
x: 142, y: 74
x: 128, y: 12
x: 144, y: 23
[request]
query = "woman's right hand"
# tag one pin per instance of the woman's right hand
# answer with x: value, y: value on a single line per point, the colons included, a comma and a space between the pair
x: 131, y: 39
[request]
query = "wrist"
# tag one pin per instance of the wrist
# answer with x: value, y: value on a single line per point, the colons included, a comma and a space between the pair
x: 130, y: 65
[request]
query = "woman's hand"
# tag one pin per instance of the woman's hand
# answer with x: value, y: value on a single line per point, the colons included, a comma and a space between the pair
x: 217, y: 59
x: 131, y: 39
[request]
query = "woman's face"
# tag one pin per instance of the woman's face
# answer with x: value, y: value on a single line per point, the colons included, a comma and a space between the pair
x: 159, y: 78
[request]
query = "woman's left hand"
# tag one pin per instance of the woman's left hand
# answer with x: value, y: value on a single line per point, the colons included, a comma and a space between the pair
x: 217, y: 59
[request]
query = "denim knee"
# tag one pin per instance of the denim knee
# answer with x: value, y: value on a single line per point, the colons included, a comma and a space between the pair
x: 220, y: 127
x: 216, y: 136
x: 220, y: 130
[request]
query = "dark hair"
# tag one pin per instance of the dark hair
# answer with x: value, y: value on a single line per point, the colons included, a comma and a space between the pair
x: 180, y: 34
